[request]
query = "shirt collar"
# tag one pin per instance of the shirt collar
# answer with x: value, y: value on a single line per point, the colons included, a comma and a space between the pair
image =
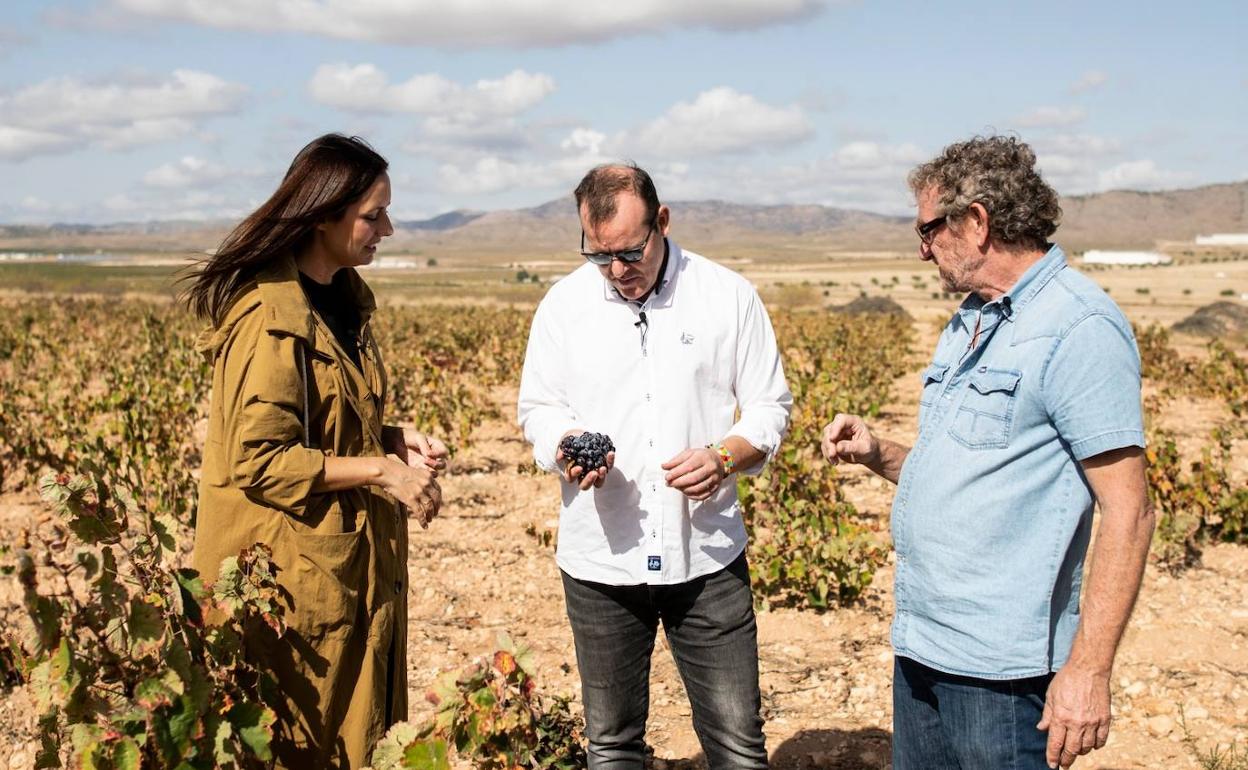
x: 661, y: 295
x: 283, y: 295
x: 1022, y: 292
x: 1035, y: 279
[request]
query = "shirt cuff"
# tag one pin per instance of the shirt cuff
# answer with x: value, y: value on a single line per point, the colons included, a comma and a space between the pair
x: 287, y: 481
x: 1105, y: 442
x: 765, y: 441
x: 546, y: 444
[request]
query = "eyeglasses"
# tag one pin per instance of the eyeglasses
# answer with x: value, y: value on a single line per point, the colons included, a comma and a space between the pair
x: 601, y: 258
x: 927, y: 230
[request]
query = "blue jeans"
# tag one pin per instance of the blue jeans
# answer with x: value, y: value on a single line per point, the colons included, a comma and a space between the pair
x: 710, y: 627
x: 948, y: 722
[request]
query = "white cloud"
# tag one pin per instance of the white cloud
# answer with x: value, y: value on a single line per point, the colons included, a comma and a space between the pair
x: 35, y: 204
x: 1051, y: 117
x: 858, y: 175
x: 458, y: 23
x: 189, y: 171
x: 65, y: 102
x: 578, y: 152
x: 584, y: 140
x: 1088, y: 81
x: 717, y: 122
x: 17, y: 143
x: 487, y: 157
x: 64, y: 113
x: 1069, y: 162
x: 33, y: 209
x: 1077, y: 145
x: 155, y: 206
x: 485, y: 177
x: 138, y: 133
x: 365, y: 88
x: 1140, y: 175
x: 872, y: 160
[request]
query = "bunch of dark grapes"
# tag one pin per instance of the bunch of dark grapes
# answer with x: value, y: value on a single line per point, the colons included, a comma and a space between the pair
x: 588, y: 450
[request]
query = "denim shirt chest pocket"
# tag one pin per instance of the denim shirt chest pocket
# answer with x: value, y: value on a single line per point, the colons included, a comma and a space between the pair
x: 985, y: 416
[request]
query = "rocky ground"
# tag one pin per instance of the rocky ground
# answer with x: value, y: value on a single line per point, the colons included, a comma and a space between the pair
x: 825, y: 676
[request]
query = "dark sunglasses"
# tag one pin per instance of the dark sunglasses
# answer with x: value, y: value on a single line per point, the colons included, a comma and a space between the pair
x: 601, y: 258
x: 927, y: 230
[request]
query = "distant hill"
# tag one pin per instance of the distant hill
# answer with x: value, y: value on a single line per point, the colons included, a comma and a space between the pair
x: 1127, y: 219
x: 448, y: 221
x: 1118, y: 219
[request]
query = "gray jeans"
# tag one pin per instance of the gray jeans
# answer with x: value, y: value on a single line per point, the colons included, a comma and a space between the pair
x: 710, y: 627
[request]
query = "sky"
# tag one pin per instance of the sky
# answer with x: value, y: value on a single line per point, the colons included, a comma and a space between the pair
x: 139, y: 110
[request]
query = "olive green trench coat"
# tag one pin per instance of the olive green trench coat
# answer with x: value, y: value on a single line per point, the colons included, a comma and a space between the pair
x: 341, y: 556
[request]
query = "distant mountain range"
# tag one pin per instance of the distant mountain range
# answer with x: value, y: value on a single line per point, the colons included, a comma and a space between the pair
x: 1118, y: 219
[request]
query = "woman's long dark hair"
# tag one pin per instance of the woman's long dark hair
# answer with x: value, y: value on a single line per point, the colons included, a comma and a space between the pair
x: 326, y: 177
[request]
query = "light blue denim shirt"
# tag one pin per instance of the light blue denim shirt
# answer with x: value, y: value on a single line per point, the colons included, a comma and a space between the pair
x: 993, y: 512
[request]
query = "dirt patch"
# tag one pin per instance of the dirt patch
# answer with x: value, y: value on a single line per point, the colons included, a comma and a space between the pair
x: 825, y: 676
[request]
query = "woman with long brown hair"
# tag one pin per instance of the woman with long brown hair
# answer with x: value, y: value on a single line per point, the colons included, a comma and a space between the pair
x: 298, y: 456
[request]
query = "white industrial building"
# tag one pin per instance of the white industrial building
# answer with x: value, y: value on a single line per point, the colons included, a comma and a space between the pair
x: 1223, y: 239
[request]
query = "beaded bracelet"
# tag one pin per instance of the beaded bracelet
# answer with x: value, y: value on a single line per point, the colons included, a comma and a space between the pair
x: 725, y: 457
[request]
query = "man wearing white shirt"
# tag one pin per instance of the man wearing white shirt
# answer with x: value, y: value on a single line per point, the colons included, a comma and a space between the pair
x: 659, y: 348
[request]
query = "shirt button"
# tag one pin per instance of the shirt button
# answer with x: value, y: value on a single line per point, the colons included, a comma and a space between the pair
x: 647, y: 396
x: 983, y: 369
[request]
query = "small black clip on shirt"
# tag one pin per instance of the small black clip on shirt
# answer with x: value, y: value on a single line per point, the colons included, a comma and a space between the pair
x: 643, y: 325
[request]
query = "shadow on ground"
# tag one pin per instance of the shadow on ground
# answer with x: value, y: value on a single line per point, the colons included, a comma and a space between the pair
x: 866, y: 749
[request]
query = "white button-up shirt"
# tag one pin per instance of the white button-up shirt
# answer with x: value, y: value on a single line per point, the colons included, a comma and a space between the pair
x: 705, y: 352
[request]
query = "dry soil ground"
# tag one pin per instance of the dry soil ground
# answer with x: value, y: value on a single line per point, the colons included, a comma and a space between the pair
x: 825, y: 677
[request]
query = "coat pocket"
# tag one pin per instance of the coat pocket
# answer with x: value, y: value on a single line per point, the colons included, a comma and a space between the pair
x: 986, y: 415
x: 325, y: 573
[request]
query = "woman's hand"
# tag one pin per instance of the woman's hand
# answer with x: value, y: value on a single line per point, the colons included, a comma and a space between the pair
x: 414, y: 486
x: 414, y: 448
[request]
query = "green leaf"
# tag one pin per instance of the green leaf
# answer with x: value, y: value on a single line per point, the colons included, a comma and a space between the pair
x: 184, y: 723
x: 427, y: 754
x: 224, y: 751
x: 126, y: 755
x: 158, y: 692
x: 146, y: 625
x: 87, y: 750
x: 391, y: 749
x: 54, y: 680
x: 166, y: 528
x: 254, y: 725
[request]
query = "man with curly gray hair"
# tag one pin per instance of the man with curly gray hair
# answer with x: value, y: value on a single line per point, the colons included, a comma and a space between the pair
x: 1029, y: 415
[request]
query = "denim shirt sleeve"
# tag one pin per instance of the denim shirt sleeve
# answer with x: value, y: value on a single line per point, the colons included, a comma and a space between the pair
x: 1091, y: 387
